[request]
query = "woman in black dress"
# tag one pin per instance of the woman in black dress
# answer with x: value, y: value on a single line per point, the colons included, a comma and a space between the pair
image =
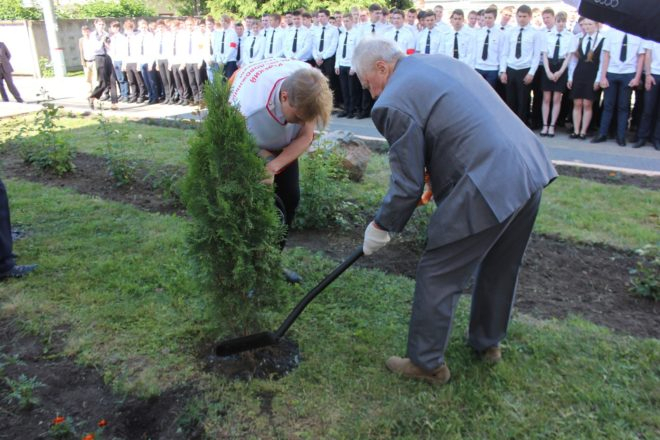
x: 556, y: 57
x: 582, y: 82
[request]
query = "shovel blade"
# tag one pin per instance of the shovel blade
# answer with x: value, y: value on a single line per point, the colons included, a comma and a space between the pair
x: 245, y: 343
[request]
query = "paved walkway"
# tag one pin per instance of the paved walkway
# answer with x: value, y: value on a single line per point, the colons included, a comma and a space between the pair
x: 71, y: 93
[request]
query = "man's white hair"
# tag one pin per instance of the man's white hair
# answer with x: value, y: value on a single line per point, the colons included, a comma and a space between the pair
x: 373, y: 49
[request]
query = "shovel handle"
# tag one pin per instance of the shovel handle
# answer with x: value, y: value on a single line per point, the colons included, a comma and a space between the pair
x: 357, y: 253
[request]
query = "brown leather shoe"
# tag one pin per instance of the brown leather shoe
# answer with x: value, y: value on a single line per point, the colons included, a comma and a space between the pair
x: 405, y: 367
x: 492, y: 355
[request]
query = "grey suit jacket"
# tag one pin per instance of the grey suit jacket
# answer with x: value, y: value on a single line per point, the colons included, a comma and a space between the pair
x: 5, y: 55
x: 438, y: 113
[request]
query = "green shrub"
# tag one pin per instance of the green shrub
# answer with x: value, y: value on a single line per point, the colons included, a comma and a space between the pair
x: 234, y: 230
x: 21, y: 391
x: 100, y: 8
x: 43, y: 144
x: 46, y: 68
x: 646, y: 274
x: 323, y: 183
x: 14, y: 10
x: 119, y: 166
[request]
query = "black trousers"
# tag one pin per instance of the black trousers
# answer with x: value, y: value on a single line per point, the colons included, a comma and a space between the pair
x: 105, y: 73
x: 350, y: 90
x: 166, y: 78
x: 181, y: 82
x: 517, y: 93
x: 287, y: 189
x: 229, y: 69
x: 195, y: 80
x: 6, y: 77
x: 537, y: 91
x: 135, y: 82
x: 649, y: 127
x: 328, y: 69
x: 6, y: 255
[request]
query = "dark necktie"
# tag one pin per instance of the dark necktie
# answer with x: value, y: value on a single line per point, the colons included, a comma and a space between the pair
x: 272, y: 37
x: 624, y: 49
x: 373, y: 28
x: 254, y: 40
x: 555, y: 55
x: 222, y: 43
x: 265, y: 32
x: 322, y: 39
x: 343, y: 52
x: 295, y: 42
x: 396, y: 36
x: 456, y: 45
x: 519, y: 44
x: 238, y: 50
x: 427, y: 50
x: 484, y: 51
x: 588, y: 46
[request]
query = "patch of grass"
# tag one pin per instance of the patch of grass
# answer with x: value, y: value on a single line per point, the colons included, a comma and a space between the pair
x: 120, y: 279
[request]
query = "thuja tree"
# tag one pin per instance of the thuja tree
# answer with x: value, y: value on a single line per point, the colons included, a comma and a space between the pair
x: 235, y: 229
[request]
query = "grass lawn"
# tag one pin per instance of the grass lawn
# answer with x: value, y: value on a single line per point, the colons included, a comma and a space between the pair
x: 120, y: 280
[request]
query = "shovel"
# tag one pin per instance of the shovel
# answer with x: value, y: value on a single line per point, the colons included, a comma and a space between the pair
x: 264, y: 339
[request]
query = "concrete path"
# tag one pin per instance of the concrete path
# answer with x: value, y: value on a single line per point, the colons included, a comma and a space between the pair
x: 71, y: 93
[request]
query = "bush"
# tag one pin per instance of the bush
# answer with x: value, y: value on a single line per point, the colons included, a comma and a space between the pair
x: 235, y: 230
x: 14, y: 10
x: 646, y: 274
x: 46, y: 68
x: 100, y: 8
x: 323, y: 183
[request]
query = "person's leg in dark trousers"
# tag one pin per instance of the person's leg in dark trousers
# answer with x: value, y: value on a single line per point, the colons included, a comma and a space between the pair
x: 355, y: 93
x: 537, y: 90
x: 443, y: 272
x: 138, y: 89
x: 102, y: 75
x: 287, y: 188
x: 623, y: 106
x: 517, y: 93
x: 8, y: 78
x: 121, y: 80
x: 150, y: 83
x: 638, y: 107
x: 7, y: 257
x: 229, y: 69
x: 166, y: 79
x: 344, y: 85
x: 650, y: 113
x: 195, y: 81
x: 490, y: 76
x: 610, y: 100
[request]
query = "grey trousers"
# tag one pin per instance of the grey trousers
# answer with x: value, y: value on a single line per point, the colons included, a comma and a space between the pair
x: 496, y: 255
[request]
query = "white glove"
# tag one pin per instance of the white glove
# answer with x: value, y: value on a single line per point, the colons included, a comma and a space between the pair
x: 374, y: 239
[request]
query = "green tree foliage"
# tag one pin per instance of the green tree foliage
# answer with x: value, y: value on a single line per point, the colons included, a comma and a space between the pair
x: 235, y: 229
x: 243, y: 8
x: 192, y: 7
x: 14, y: 10
x: 109, y: 8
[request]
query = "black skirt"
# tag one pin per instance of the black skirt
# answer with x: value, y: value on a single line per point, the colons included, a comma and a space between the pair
x: 550, y: 86
x: 584, y: 78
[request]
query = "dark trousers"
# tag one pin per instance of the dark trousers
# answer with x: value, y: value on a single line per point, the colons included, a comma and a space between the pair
x: 350, y: 90
x: 181, y: 82
x: 135, y: 82
x: 166, y: 78
x: 121, y: 79
x: 287, y: 189
x: 489, y: 75
x: 649, y: 126
x: 537, y: 95
x: 229, y: 69
x: 105, y: 72
x: 6, y: 77
x: 150, y: 81
x: 517, y: 93
x: 617, y: 96
x: 6, y: 255
x: 328, y: 69
x: 195, y: 80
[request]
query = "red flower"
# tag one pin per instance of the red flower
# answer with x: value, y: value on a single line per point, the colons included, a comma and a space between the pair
x: 88, y: 437
x: 102, y: 423
x: 57, y: 420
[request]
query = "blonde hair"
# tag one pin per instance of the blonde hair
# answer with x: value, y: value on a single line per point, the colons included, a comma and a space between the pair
x: 561, y: 16
x: 310, y: 94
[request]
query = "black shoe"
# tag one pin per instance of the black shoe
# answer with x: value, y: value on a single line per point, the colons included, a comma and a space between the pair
x: 582, y: 137
x: 621, y: 142
x: 598, y: 139
x: 362, y: 116
x: 350, y: 116
x: 342, y: 115
x: 291, y: 277
x: 140, y: 100
x: 18, y: 271
x: 656, y: 144
x: 132, y: 101
x: 639, y: 144
x: 574, y: 135
x: 152, y: 102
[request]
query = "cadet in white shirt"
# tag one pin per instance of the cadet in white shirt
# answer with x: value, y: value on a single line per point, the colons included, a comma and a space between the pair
x: 224, y: 45
x: 86, y: 47
x: 298, y: 40
x: 118, y: 52
x: 521, y: 60
x: 400, y: 34
x: 649, y: 127
x: 430, y: 40
x: 374, y: 27
x: 489, y: 48
x: 144, y: 41
x: 163, y: 44
x: 348, y: 80
x: 190, y: 46
x: 623, y: 60
x: 138, y: 90
x: 177, y: 64
x: 556, y: 57
x: 460, y: 44
x: 274, y: 45
x: 253, y: 46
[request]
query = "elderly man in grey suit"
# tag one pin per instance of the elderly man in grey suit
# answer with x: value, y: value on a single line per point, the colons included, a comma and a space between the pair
x: 5, y: 75
x: 487, y: 171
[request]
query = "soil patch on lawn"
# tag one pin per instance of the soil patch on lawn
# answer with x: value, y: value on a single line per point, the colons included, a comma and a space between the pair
x: 77, y: 393
x: 558, y: 277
